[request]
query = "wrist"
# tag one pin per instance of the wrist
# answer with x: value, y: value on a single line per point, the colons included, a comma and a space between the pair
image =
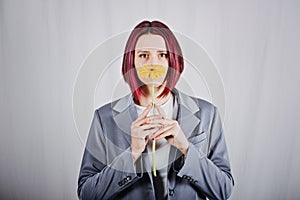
x: 185, y: 149
x: 135, y: 155
x: 185, y: 154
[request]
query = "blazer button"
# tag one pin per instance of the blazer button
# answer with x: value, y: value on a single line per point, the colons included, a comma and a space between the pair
x: 171, y: 192
x: 184, y: 176
x: 128, y: 178
x: 120, y: 183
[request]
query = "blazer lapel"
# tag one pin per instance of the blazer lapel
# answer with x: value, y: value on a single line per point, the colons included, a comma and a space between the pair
x: 187, y: 120
x: 187, y: 108
x: 125, y: 114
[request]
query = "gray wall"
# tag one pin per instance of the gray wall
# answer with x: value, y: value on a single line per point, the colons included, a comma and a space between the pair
x: 254, y: 45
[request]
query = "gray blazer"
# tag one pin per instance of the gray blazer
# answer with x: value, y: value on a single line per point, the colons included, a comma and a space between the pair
x: 108, y: 170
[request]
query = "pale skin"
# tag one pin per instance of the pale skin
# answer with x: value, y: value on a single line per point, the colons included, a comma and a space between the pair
x: 151, y: 50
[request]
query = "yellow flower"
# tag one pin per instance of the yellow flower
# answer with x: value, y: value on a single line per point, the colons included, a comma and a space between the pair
x: 153, y: 71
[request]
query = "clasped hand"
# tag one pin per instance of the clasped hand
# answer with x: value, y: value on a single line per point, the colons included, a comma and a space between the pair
x: 154, y: 128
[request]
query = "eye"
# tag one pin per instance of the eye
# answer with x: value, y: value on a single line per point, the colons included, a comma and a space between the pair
x: 143, y: 55
x: 163, y: 55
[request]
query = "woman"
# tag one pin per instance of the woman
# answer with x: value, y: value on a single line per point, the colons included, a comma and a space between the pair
x: 190, y: 159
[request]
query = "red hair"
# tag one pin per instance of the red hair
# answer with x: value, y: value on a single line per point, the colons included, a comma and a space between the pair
x: 175, y: 58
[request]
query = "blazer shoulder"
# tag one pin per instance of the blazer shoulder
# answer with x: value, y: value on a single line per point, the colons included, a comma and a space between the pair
x: 203, y: 104
x: 104, y: 108
x: 108, y: 107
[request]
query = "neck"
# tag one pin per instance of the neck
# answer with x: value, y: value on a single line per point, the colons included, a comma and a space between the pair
x: 146, y: 99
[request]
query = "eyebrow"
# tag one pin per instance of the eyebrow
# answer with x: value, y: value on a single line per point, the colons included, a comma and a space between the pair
x: 160, y: 51
x: 142, y: 51
x: 163, y: 51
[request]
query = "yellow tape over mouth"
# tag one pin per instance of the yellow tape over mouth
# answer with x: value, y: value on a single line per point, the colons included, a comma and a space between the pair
x: 152, y: 71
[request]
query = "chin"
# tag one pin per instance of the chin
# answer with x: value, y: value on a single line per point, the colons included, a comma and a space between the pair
x: 149, y: 82
x: 156, y: 83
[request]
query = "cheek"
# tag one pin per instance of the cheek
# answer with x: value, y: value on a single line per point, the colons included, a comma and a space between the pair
x: 138, y: 62
x: 166, y: 72
x: 166, y: 62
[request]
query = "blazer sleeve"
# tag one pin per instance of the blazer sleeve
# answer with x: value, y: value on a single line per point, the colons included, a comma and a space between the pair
x: 98, y: 179
x: 210, y: 173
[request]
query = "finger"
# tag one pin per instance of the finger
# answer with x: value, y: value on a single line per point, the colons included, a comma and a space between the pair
x: 143, y: 115
x: 160, y: 131
x: 146, y: 127
x: 142, y: 134
x: 153, y: 117
x: 148, y: 119
x: 146, y: 134
x: 164, y: 135
x: 160, y: 111
x: 149, y: 133
x: 163, y: 121
x: 145, y: 112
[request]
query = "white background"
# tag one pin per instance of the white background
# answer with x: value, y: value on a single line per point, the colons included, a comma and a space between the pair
x: 254, y: 45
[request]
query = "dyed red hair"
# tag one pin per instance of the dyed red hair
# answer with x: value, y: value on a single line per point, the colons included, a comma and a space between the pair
x: 175, y: 58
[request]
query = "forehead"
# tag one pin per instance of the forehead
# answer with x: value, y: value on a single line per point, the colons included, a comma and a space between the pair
x: 150, y: 41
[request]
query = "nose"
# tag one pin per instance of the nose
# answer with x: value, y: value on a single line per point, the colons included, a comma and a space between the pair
x: 153, y: 60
